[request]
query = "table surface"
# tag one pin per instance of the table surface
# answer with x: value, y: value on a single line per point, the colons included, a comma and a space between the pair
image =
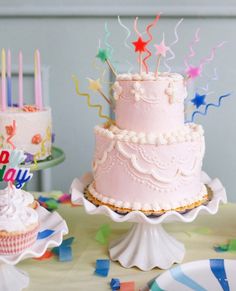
x: 199, y: 238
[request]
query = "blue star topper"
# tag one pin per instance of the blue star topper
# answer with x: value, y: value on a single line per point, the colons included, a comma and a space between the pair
x: 199, y: 100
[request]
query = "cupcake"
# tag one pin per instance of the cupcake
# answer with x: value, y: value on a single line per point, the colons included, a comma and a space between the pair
x: 18, y: 196
x: 19, y: 226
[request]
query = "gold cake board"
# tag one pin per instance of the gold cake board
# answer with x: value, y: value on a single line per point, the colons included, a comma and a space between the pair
x: 182, y: 210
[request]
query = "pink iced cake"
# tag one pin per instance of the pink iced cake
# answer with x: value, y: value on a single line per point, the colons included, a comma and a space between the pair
x: 148, y: 159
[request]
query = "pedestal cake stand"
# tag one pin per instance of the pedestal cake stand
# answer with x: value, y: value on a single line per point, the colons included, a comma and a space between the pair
x: 13, y: 279
x: 147, y: 245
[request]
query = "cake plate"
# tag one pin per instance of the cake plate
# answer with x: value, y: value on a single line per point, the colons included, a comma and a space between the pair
x: 147, y: 245
x: 13, y: 279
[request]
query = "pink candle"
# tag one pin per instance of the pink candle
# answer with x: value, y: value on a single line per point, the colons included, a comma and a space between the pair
x: 20, y: 81
x: 40, y: 104
x: 36, y: 79
x: 4, y: 105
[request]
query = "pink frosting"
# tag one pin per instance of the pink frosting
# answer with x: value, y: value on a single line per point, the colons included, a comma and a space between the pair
x: 150, y: 105
x: 164, y: 175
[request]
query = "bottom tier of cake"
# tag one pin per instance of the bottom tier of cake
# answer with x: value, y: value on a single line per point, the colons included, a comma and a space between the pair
x: 148, y: 172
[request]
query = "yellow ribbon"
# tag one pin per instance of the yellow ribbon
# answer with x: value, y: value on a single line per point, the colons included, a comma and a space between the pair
x: 100, y: 114
x: 42, y: 151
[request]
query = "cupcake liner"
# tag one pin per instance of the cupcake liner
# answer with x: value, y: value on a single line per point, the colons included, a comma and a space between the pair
x: 14, y: 244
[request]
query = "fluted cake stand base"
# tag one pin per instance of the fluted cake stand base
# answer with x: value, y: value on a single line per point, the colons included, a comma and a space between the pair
x: 147, y: 242
x: 147, y: 245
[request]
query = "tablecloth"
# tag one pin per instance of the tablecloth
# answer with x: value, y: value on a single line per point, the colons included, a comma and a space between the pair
x: 199, y: 238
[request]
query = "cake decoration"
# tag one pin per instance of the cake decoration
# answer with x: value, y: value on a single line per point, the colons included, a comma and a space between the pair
x: 24, y: 126
x: 150, y: 157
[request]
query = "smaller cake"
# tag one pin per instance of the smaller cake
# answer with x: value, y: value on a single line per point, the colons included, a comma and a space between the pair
x: 19, y: 224
x: 27, y: 129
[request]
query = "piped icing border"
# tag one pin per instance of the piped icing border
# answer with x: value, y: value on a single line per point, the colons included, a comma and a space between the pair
x: 155, y: 206
x: 149, y: 77
x: 189, y: 132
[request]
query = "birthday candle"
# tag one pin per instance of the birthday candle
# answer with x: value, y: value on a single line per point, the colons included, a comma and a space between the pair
x: 40, y: 101
x: 9, y: 82
x: 3, y: 80
x: 36, y: 79
x: 20, y: 81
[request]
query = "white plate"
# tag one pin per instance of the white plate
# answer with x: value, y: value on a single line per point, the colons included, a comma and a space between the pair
x: 47, y: 220
x: 204, y: 275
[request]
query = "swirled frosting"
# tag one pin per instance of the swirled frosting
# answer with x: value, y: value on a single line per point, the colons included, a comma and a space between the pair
x: 17, y: 196
x: 15, y: 215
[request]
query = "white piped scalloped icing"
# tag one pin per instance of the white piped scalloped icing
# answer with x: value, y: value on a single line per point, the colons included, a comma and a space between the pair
x: 149, y: 76
x: 154, y: 206
x: 189, y: 132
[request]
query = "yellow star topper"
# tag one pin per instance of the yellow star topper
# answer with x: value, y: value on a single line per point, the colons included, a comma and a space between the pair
x: 95, y: 85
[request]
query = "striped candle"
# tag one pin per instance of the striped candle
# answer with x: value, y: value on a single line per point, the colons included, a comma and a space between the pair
x: 36, y: 79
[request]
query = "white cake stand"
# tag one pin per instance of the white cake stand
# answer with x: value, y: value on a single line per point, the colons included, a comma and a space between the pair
x: 13, y: 279
x: 147, y: 244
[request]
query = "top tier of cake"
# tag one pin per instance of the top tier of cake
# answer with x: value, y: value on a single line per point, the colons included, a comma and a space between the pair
x: 147, y: 104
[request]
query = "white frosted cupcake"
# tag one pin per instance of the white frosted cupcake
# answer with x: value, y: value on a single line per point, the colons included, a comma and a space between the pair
x: 17, y: 196
x: 19, y: 226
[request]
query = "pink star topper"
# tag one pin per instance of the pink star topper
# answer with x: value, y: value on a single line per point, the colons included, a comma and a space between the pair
x: 161, y: 49
x: 193, y: 72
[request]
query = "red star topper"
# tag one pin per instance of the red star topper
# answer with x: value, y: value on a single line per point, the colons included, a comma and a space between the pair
x: 140, y: 45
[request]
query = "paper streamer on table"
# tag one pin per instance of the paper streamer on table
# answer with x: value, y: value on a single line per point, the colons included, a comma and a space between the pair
x: 64, y: 251
x: 103, y: 233
x: 45, y: 233
x: 115, y: 284
x: 102, y: 267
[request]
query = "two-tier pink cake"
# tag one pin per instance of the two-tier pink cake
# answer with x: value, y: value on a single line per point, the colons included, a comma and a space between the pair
x: 148, y: 159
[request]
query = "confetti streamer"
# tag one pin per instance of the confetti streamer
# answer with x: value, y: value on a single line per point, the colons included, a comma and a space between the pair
x: 172, y: 57
x: 115, y: 284
x: 107, y: 35
x: 11, y: 131
x: 207, y: 106
x: 149, y: 54
x: 192, y: 52
x: 45, y: 233
x: 103, y: 234
x: 100, y: 114
x: 46, y: 256
x: 102, y: 268
x: 128, y: 33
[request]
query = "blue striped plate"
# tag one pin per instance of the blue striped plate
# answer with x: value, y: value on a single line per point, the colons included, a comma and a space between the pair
x: 205, y: 275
